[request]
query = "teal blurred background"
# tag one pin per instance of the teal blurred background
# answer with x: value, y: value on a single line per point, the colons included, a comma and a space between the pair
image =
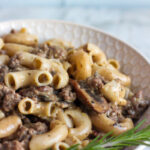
x: 128, y: 20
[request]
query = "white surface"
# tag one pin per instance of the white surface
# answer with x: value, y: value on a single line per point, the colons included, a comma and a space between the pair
x: 132, y: 63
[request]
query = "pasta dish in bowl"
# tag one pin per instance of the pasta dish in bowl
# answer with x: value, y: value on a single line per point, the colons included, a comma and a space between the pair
x: 54, y: 95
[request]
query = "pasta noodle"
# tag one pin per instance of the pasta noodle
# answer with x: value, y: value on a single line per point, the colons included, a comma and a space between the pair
x: 82, y: 124
x: 58, y: 42
x: 61, y: 77
x: 42, y: 109
x: 114, y: 63
x: 110, y: 73
x: 44, y: 141
x: 9, y: 125
x: 1, y: 43
x: 80, y: 70
x: 4, y: 59
x: 2, y: 115
x: 21, y: 38
x: 115, y: 92
x: 96, y: 53
x: 16, y: 80
x: 105, y: 124
x: 60, y: 146
x: 12, y: 48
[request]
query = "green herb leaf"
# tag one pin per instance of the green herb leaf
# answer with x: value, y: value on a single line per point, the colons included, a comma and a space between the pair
x: 129, y: 138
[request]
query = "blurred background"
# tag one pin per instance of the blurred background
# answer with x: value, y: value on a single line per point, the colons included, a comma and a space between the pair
x: 128, y: 20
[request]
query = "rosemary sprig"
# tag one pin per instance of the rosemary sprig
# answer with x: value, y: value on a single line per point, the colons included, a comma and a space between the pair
x: 129, y: 138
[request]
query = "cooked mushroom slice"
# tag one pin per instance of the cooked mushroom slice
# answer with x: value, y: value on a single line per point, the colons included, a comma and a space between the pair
x: 91, y: 100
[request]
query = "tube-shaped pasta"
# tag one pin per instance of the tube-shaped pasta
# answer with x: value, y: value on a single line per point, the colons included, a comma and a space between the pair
x: 42, y: 109
x: 114, y: 92
x: 12, y: 48
x: 1, y: 43
x: 110, y: 73
x: 2, y: 115
x: 58, y: 133
x: 9, y: 125
x: 81, y: 64
x: 26, y: 59
x: 61, y: 77
x: 21, y: 38
x: 58, y: 42
x: 114, y: 63
x: 82, y: 124
x: 60, y: 146
x: 4, y: 59
x: 72, y: 140
x: 63, y: 117
x: 105, y: 124
x: 16, y: 80
x: 96, y: 53
x: 66, y: 65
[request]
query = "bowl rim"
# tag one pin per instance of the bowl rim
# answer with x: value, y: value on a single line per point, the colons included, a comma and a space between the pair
x: 83, y: 26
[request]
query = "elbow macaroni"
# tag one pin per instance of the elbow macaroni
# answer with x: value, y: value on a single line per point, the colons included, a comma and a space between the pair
x: 16, y: 80
x: 1, y: 43
x: 21, y: 38
x: 82, y: 124
x: 61, y: 77
x: 115, y: 92
x: 80, y: 65
x: 60, y: 146
x: 12, y: 48
x: 105, y: 124
x: 9, y: 125
x: 96, y: 53
x: 42, y: 109
x: 110, y: 73
x: 44, y: 141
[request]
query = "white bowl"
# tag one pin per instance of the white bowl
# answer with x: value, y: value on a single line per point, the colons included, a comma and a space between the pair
x: 132, y: 63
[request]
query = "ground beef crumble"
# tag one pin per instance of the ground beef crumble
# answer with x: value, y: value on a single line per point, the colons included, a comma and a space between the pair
x: 46, y: 51
x: 8, y: 98
x: 14, y: 64
x: 67, y: 94
x: 136, y: 106
x: 43, y: 93
x: 3, y: 70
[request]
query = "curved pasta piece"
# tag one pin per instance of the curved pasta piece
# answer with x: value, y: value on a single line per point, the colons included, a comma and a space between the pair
x: 4, y: 59
x: 114, y: 63
x: 16, y: 80
x: 98, y: 56
x: 12, y: 48
x: 58, y: 133
x: 58, y: 42
x: 1, y: 43
x: 72, y: 140
x: 21, y: 38
x: 82, y: 124
x: 42, y: 109
x: 63, y: 117
x: 9, y: 125
x: 60, y: 78
x: 114, y: 92
x: 60, y: 146
x: 105, y: 124
x: 110, y: 73
x: 2, y: 115
x: 80, y: 65
x: 26, y: 59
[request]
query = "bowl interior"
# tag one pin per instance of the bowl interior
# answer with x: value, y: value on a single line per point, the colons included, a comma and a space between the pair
x: 132, y: 63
